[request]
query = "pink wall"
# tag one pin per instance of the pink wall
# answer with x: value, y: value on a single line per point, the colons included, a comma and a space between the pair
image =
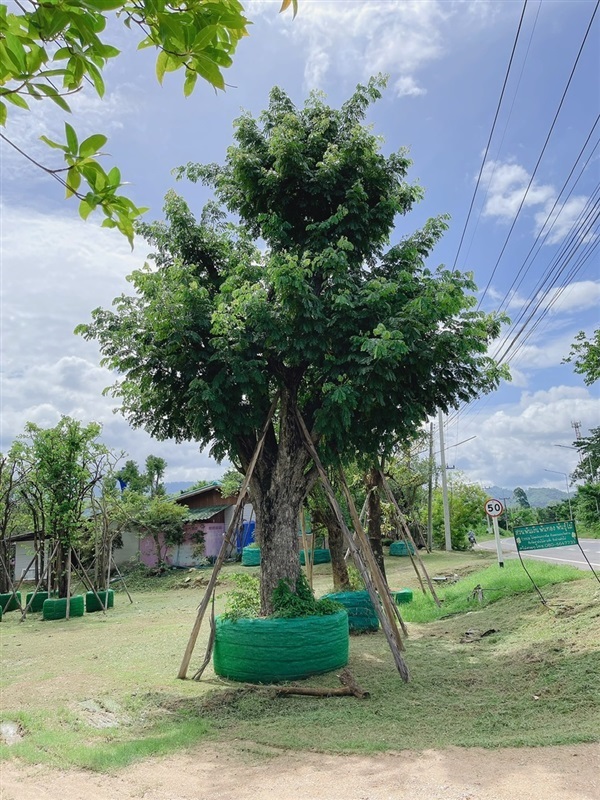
x: 213, y: 538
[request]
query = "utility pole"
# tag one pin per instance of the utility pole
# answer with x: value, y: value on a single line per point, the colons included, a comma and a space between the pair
x: 448, y: 536
x: 430, y: 492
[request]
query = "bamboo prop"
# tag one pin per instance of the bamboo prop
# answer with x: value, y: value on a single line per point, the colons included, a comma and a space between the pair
x: 383, y: 589
x: 227, y: 541
x: 37, y: 588
x: 374, y: 580
x: 114, y: 563
x: 361, y: 517
x: 402, y: 535
x: 14, y: 588
x: 408, y: 535
x: 90, y: 585
x: 211, y: 643
x: 68, y: 604
x: 308, y: 554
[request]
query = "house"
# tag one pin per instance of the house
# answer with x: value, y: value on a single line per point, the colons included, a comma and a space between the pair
x: 26, y: 555
x: 209, y: 514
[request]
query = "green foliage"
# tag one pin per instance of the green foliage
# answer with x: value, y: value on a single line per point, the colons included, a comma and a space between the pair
x: 63, y: 465
x: 466, y: 511
x: 356, y: 582
x: 300, y: 601
x: 367, y: 342
x: 50, y: 51
x: 244, y: 600
x: 497, y: 583
x: 231, y: 483
x: 585, y: 353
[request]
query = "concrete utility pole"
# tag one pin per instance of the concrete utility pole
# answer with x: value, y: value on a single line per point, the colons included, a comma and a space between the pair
x: 444, y: 483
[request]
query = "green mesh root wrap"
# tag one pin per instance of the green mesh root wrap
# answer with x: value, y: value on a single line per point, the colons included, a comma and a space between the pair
x: 92, y: 603
x: 273, y: 650
x: 10, y: 601
x: 361, y: 612
x: 37, y: 602
x: 57, y: 609
x: 320, y: 556
x: 251, y: 556
x: 400, y: 549
x: 403, y: 596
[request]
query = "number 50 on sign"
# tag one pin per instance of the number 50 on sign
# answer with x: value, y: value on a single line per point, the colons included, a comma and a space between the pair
x: 493, y: 508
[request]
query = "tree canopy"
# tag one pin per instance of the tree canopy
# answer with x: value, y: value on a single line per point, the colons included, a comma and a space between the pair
x: 364, y: 339
x: 51, y: 50
x: 585, y: 354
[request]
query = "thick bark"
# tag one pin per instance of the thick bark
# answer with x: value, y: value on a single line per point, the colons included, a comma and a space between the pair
x: 279, y: 485
x: 373, y: 484
x: 4, y: 577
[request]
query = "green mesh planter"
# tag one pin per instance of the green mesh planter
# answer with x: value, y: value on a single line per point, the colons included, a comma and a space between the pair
x: 10, y: 601
x: 92, y: 603
x: 403, y: 596
x: 273, y: 650
x: 320, y: 556
x: 361, y: 612
x: 57, y: 608
x: 401, y: 549
x: 251, y: 556
x: 38, y: 600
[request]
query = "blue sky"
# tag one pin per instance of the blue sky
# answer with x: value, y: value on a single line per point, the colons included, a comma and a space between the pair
x: 446, y: 63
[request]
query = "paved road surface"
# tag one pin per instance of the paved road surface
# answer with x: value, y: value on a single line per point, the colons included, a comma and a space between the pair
x: 554, y: 555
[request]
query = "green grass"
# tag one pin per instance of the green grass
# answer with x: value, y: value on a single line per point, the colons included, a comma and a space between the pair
x: 495, y: 582
x: 462, y: 693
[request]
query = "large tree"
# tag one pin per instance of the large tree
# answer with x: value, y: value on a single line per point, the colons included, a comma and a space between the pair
x: 364, y: 340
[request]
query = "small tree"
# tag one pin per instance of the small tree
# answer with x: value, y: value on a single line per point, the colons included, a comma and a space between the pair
x: 585, y: 354
x: 520, y: 498
x: 62, y: 465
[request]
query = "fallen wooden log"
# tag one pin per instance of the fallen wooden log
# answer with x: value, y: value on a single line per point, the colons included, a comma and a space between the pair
x: 350, y: 688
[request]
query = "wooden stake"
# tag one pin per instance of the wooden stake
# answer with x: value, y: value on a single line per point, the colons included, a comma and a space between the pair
x: 90, y: 584
x: 114, y: 563
x: 308, y: 555
x: 68, y: 607
x: 211, y: 642
x: 37, y: 588
x: 408, y: 535
x: 227, y: 542
x: 369, y: 575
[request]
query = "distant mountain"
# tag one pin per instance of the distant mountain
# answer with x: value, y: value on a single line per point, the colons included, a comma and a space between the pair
x: 539, y: 497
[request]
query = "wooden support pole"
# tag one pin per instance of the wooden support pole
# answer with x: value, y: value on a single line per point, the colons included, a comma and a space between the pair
x: 90, y: 584
x: 37, y: 588
x: 68, y: 606
x: 227, y: 542
x: 114, y: 563
x: 308, y: 552
x: 387, y: 620
x: 408, y: 535
x: 211, y: 643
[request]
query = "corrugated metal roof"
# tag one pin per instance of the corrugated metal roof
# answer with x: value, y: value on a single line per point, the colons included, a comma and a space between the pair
x: 201, y: 514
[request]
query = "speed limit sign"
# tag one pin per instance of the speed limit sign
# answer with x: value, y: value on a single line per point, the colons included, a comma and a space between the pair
x: 493, y: 508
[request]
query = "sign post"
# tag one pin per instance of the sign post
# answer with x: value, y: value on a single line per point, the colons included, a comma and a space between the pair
x: 494, y: 508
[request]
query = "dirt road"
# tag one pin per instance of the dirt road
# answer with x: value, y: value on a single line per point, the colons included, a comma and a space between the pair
x: 247, y: 772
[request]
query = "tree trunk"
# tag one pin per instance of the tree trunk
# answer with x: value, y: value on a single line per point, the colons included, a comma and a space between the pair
x: 61, y: 576
x: 4, y: 577
x: 279, y: 485
x: 341, y: 579
x: 373, y: 485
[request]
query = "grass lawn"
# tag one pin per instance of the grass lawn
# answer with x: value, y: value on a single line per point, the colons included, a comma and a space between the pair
x: 100, y: 691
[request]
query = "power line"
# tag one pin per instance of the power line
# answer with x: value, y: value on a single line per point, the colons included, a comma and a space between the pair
x: 560, y: 105
x: 506, y: 76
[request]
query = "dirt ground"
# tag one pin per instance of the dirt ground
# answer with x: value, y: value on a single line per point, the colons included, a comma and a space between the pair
x: 247, y: 772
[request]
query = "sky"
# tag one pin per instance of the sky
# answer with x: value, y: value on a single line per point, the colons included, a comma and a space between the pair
x: 525, y: 222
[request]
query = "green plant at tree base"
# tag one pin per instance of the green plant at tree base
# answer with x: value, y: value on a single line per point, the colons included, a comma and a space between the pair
x: 243, y: 602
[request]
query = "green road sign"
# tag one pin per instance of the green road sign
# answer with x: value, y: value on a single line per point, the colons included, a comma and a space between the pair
x: 550, y: 534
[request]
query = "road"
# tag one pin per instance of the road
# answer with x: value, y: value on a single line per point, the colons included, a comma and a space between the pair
x: 555, y: 555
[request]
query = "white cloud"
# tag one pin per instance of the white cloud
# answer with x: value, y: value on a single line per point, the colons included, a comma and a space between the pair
x: 514, y: 446
x: 507, y: 188
x: 54, y: 271
x: 399, y: 37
